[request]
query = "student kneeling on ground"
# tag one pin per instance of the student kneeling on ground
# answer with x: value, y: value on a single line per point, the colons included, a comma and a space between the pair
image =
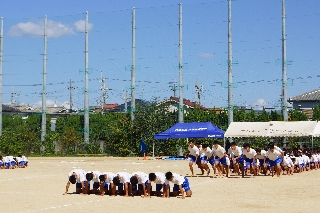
x: 181, y: 184
x: 78, y: 177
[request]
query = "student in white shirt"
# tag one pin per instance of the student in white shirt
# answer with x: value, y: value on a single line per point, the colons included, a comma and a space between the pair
x: 122, y: 180
x: 140, y: 179
x: 159, y: 179
x: 193, y: 154
x: 263, y: 166
x: 208, y: 158
x: 288, y: 165
x: 1, y: 162
x: 201, y: 159
x: 237, y: 158
x: 105, y: 179
x: 93, y: 176
x: 78, y: 177
x: 181, y: 185
x: 275, y: 159
x: 7, y: 163
x: 250, y: 158
x: 220, y: 158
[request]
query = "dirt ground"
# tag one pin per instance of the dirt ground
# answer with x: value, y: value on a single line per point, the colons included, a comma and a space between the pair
x: 40, y: 188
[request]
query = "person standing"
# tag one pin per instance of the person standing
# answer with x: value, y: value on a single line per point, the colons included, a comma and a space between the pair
x: 193, y: 154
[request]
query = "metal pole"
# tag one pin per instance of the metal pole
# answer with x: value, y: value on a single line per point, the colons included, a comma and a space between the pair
x: 125, y: 101
x: 133, y: 77
x: 44, y: 84
x: 180, y: 115
x: 1, y: 53
x: 230, y: 95
x: 284, y: 65
x: 86, y: 97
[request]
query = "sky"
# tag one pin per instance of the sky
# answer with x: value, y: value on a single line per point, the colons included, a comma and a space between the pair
x: 256, y: 50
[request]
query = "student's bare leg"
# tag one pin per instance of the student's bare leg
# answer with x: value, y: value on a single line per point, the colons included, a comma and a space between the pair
x: 191, y: 168
x: 188, y: 193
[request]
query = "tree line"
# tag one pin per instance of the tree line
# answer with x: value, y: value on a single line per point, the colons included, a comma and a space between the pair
x: 114, y: 134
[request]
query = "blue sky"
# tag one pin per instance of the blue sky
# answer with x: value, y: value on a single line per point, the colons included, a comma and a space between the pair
x: 256, y: 38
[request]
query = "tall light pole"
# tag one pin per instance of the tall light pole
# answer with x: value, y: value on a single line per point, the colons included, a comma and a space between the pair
x: 44, y: 84
x: 133, y: 66
x: 86, y: 95
x: 284, y: 65
x: 180, y: 111
x: 1, y: 53
x: 230, y: 95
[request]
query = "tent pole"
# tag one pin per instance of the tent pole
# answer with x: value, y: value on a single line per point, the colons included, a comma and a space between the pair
x: 153, y: 149
x: 312, y: 142
x: 224, y: 143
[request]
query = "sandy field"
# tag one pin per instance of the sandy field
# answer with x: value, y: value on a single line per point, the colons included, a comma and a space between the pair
x: 40, y: 188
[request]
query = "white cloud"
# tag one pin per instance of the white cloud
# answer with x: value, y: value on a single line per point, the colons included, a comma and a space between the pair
x: 206, y: 55
x: 49, y: 103
x: 80, y: 26
x: 54, y: 29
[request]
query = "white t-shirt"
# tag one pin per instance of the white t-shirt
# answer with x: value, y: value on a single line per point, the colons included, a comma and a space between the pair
x: 19, y: 159
x: 262, y: 155
x: 177, y: 179
x: 273, y: 155
x: 24, y: 158
x: 160, y: 178
x: 219, y: 151
x: 10, y: 158
x: 314, y: 158
x: 124, y: 177
x: 277, y: 148
x: 194, y: 150
x: 208, y: 152
x: 110, y: 177
x: 81, y: 175
x: 6, y: 160
x: 249, y: 154
x: 201, y: 152
x: 142, y: 177
x: 235, y: 152
x: 96, y: 175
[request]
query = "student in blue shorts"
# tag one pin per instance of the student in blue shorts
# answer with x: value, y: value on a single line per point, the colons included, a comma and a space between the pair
x: 78, y: 177
x: 181, y: 185
x: 193, y: 154
x: 139, y: 179
x: 106, y: 184
x: 250, y: 158
x: 237, y: 157
x: 1, y: 162
x: 220, y: 158
x: 122, y: 180
x: 159, y: 179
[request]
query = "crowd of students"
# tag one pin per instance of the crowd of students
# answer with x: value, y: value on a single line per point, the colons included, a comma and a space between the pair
x: 10, y: 162
x: 245, y: 160
x: 123, y: 183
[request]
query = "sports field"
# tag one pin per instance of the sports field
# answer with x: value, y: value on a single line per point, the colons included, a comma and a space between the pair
x: 39, y: 188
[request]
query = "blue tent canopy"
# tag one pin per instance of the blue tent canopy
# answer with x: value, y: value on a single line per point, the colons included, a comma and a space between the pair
x: 191, y: 130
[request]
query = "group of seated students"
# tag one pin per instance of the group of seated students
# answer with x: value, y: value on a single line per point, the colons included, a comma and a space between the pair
x: 10, y: 162
x: 245, y: 160
x: 123, y: 183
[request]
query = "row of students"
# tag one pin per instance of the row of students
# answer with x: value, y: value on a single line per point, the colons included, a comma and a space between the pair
x: 123, y: 183
x: 10, y: 162
x: 243, y: 159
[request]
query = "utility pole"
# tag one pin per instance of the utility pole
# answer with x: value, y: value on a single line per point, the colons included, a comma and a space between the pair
x: 44, y: 84
x: 198, y: 91
x: 70, y: 88
x: 125, y: 98
x: 1, y: 53
x: 284, y: 65
x: 104, y: 92
x: 86, y: 96
x: 13, y: 95
x: 133, y: 66
x: 180, y: 115
x: 230, y: 95
x: 174, y: 89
